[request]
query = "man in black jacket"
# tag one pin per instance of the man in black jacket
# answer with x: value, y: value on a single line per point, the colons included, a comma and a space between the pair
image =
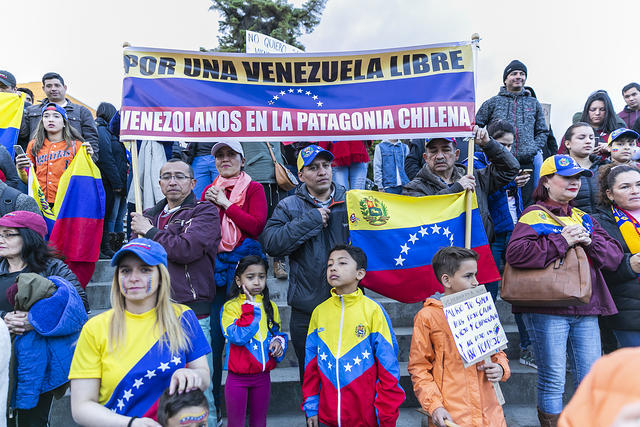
x: 305, y: 227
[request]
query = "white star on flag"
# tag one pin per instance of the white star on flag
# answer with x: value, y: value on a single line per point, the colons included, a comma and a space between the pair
x: 150, y: 374
x: 323, y: 356
x: 399, y: 260
x: 330, y: 365
x: 120, y: 404
x: 137, y: 383
x: 290, y: 90
x: 423, y: 231
x: 282, y: 92
x: 299, y: 90
x: 319, y: 103
x: 307, y: 93
x: 176, y: 360
x: 127, y: 395
x: 405, y: 249
x: 163, y: 366
x: 357, y: 360
x: 314, y: 97
x: 275, y: 97
x: 365, y: 354
x: 446, y: 231
x: 413, y: 237
x: 347, y: 367
x: 435, y: 229
x: 255, y: 346
x: 270, y: 102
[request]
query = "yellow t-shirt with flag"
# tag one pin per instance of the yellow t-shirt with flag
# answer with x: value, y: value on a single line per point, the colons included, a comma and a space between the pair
x: 134, y: 375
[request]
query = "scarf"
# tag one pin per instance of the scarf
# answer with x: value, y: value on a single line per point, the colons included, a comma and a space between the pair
x: 629, y: 228
x: 231, y: 234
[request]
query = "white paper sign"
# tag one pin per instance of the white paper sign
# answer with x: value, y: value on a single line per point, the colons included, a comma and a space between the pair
x: 475, y: 326
x: 261, y: 43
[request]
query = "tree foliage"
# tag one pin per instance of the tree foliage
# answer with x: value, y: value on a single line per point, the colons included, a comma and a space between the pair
x: 275, y: 18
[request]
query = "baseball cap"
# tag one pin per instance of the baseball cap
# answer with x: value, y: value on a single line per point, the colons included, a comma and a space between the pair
x: 149, y: 251
x: 622, y: 131
x: 308, y: 154
x: 234, y: 145
x: 25, y: 219
x: 7, y: 79
x: 428, y: 140
x: 55, y: 107
x: 563, y: 165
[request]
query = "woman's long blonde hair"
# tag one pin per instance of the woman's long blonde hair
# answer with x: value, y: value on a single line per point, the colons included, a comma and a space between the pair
x: 168, y: 323
x: 69, y: 134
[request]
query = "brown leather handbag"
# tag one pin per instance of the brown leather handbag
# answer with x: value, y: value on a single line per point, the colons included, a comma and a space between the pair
x: 564, y: 282
x: 285, y: 179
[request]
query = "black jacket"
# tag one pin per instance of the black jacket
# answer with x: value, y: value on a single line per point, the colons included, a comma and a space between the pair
x: 623, y: 282
x: 587, y: 198
x: 295, y: 229
x: 113, y: 157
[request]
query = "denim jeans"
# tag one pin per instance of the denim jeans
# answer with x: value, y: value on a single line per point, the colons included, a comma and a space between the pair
x: 627, y: 338
x: 537, y: 164
x: 396, y: 189
x: 206, y: 329
x: 115, y: 217
x: 352, y: 177
x: 550, y: 334
x: 204, y: 171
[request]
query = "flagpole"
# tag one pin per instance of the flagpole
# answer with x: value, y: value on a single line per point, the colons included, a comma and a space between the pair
x: 475, y: 40
x: 135, y: 177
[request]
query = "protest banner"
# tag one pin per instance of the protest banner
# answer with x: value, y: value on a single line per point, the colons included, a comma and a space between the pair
x: 475, y: 326
x: 424, y: 91
x: 261, y: 43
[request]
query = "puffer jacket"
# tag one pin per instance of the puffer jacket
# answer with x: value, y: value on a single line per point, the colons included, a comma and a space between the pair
x: 295, y: 229
x: 435, y: 366
x: 244, y: 325
x: 113, y: 161
x: 43, y: 355
x: 587, y: 198
x: 611, y: 384
x: 525, y: 113
x: 502, y: 170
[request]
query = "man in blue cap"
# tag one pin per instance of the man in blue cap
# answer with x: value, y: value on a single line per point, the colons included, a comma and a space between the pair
x: 304, y: 227
x: 441, y: 175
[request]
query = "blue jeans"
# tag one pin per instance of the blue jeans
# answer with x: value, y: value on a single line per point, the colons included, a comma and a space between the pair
x: 217, y: 343
x: 204, y: 171
x: 116, y: 216
x: 537, y: 164
x: 550, y: 334
x: 627, y: 338
x: 396, y: 189
x: 206, y: 329
x: 352, y: 177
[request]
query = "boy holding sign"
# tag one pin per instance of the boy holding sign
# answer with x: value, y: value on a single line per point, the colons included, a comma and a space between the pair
x: 445, y: 388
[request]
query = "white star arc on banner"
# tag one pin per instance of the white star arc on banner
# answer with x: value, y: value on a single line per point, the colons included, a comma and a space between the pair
x: 423, y: 232
x: 291, y: 91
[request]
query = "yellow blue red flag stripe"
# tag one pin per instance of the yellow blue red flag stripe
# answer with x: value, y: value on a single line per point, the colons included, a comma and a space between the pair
x: 11, y: 108
x: 400, y: 235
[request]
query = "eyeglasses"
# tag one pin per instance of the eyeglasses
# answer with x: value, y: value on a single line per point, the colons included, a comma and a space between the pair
x: 7, y: 236
x: 180, y: 177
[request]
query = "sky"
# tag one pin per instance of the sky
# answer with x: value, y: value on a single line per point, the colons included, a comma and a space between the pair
x: 571, y: 47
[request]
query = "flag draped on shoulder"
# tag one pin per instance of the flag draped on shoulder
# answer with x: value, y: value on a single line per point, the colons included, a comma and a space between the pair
x: 400, y: 235
x: 79, y: 210
x: 11, y: 108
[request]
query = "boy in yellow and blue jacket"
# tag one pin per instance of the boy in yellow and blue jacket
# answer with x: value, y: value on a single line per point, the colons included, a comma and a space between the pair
x: 351, y: 375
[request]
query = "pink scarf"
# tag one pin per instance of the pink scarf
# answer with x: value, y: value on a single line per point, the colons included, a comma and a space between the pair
x: 230, y: 233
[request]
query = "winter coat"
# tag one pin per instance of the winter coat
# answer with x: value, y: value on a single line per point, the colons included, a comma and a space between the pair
x: 191, y: 239
x: 502, y: 170
x: 623, y: 282
x: 587, y: 198
x: 611, y: 384
x: 113, y: 160
x: 347, y: 152
x: 629, y: 116
x: 525, y: 113
x: 295, y: 229
x: 8, y: 168
x: 258, y: 163
x: 536, y: 242
x: 79, y: 117
x: 5, y: 356
x: 440, y: 378
x: 43, y: 355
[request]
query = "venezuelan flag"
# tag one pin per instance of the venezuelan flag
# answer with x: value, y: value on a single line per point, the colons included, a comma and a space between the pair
x: 79, y: 210
x: 400, y: 235
x: 11, y: 107
x: 36, y: 192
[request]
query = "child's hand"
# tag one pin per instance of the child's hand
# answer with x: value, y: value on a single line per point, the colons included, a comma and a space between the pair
x: 247, y: 294
x: 312, y: 421
x: 439, y: 416
x: 275, y: 348
x: 493, y: 371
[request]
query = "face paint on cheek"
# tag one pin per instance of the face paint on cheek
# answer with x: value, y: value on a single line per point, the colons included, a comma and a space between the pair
x: 615, y: 150
x: 189, y: 418
x: 149, y: 284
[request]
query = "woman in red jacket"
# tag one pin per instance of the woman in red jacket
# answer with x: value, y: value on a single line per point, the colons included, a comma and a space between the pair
x: 243, y: 214
x: 350, y: 164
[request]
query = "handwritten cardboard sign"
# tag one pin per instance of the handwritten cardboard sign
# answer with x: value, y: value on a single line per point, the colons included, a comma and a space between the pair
x: 474, y: 323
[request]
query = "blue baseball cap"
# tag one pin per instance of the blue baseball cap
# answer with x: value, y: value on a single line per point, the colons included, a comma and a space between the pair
x: 308, y: 154
x: 622, y: 131
x: 55, y: 107
x: 563, y: 165
x: 150, y: 252
x: 428, y: 140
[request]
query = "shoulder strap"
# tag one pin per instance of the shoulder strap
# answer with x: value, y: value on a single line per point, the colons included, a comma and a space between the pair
x: 9, y: 200
x: 273, y: 157
x: 553, y: 217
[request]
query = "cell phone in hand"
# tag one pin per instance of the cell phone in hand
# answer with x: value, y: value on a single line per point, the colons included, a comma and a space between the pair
x: 525, y: 171
x: 18, y: 150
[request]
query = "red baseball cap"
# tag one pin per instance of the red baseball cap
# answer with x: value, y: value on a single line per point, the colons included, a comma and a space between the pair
x: 25, y: 219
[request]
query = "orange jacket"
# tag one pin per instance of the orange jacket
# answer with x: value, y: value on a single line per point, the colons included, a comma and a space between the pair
x: 50, y: 163
x: 435, y: 365
x: 611, y: 384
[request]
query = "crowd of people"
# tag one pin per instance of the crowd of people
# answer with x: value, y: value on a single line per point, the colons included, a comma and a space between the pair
x: 190, y: 280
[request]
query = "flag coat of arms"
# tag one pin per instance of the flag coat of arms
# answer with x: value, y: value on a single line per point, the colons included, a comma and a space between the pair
x: 11, y: 107
x: 400, y: 235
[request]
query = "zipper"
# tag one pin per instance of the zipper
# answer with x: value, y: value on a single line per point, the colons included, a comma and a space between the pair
x: 515, y: 125
x: 338, y: 357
